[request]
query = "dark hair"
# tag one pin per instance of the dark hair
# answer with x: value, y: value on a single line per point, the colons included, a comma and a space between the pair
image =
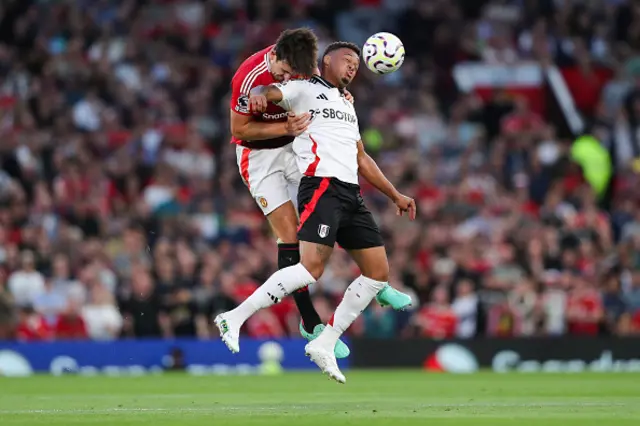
x: 299, y: 48
x: 341, y: 45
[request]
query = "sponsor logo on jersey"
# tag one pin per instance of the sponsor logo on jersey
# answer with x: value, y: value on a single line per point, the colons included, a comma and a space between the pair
x: 323, y: 230
x: 333, y: 114
x: 278, y: 116
x: 322, y: 96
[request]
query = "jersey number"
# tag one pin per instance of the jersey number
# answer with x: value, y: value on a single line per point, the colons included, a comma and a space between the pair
x: 314, y: 112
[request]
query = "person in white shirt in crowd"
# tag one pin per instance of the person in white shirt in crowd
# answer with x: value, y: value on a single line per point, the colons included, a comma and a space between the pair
x: 26, y: 283
x: 465, y: 306
x: 103, y: 320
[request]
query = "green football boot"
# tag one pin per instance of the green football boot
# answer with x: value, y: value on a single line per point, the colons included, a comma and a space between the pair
x: 389, y: 296
x: 341, y: 350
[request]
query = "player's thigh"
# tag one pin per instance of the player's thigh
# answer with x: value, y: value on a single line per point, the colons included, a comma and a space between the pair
x: 320, y: 215
x: 292, y: 173
x: 263, y: 171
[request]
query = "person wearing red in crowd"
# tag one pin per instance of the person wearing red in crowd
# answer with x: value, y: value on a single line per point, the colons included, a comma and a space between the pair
x: 584, y: 309
x: 32, y: 326
x: 70, y: 324
x: 437, y: 320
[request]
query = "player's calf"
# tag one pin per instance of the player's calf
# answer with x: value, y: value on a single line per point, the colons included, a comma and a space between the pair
x: 289, y: 255
x: 373, y: 264
x: 356, y: 299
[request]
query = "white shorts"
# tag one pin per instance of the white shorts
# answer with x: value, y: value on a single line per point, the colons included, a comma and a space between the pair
x: 271, y: 175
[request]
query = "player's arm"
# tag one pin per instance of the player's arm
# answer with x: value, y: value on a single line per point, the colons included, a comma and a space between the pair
x: 287, y: 95
x: 260, y: 96
x: 246, y: 128
x: 369, y: 170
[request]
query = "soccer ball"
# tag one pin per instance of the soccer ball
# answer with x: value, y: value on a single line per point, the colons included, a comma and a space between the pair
x: 383, y: 53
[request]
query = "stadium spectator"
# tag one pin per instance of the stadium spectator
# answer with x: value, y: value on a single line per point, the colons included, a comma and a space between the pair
x: 70, y: 325
x: 101, y: 316
x: 437, y: 320
x: 465, y: 306
x: 26, y: 284
x: 33, y: 327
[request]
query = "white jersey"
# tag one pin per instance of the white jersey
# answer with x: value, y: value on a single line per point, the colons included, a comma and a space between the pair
x: 329, y: 146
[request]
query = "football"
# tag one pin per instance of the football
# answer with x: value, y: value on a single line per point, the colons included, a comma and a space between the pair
x: 383, y: 53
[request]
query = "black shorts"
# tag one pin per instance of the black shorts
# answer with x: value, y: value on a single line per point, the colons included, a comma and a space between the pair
x: 333, y: 211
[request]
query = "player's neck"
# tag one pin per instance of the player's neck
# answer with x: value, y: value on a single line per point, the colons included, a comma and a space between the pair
x: 334, y: 83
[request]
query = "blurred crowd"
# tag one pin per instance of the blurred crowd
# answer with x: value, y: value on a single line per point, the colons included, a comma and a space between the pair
x: 122, y: 213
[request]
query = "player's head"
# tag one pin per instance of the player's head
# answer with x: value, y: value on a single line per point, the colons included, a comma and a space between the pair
x: 340, y: 62
x: 295, y: 52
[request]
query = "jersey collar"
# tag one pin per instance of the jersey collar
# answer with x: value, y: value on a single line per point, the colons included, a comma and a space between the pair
x: 321, y: 80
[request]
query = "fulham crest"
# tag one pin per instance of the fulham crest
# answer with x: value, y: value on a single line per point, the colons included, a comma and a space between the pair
x: 323, y: 230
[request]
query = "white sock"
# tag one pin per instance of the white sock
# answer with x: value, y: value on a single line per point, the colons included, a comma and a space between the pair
x: 355, y: 300
x: 277, y: 287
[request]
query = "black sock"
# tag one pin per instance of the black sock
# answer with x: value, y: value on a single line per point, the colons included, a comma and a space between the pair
x: 289, y: 255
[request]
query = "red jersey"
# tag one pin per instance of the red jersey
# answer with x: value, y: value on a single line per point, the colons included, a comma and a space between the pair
x: 253, y: 72
x: 71, y: 327
x: 34, y: 328
x: 589, y: 302
x: 438, y: 323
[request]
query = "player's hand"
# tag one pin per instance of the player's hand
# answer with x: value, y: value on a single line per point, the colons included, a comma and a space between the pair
x: 257, y: 103
x: 348, y: 96
x: 297, y: 124
x: 405, y: 204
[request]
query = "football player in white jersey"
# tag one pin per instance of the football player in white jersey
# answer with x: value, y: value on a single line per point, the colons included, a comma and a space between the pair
x: 330, y: 155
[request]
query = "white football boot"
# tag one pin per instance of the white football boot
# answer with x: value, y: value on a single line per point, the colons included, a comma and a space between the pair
x: 325, y: 359
x: 229, y: 332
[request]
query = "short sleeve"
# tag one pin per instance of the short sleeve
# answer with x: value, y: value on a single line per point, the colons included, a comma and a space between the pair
x: 291, y: 93
x: 239, y: 101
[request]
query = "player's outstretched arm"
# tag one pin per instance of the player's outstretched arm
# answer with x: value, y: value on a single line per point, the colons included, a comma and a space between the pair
x: 248, y: 129
x: 245, y: 127
x: 368, y: 169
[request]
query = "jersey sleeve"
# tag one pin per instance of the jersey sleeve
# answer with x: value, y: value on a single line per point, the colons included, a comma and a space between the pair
x: 292, y: 93
x: 239, y: 101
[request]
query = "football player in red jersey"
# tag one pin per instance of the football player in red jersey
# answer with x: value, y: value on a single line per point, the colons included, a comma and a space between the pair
x: 264, y: 154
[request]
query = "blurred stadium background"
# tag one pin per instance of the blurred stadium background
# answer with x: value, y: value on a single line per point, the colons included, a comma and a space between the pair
x: 514, y: 124
x: 125, y: 227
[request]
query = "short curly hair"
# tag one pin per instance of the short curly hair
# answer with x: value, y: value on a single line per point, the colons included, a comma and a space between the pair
x: 340, y: 45
x: 299, y: 48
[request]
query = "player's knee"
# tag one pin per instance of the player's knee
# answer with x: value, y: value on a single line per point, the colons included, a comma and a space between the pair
x: 315, y: 266
x: 284, y: 222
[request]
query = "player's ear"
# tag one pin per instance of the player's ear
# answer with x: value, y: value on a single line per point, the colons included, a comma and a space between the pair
x: 326, y: 61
